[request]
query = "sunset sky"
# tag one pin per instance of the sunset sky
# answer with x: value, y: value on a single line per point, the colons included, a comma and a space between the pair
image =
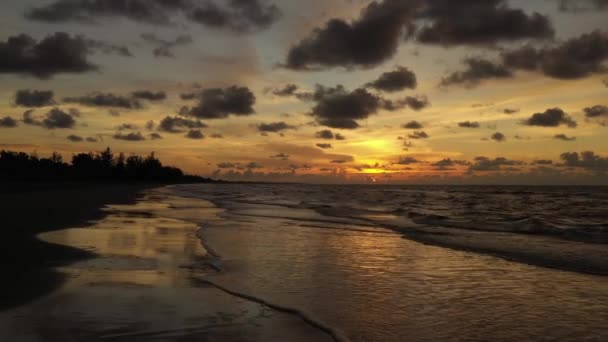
x: 415, y: 91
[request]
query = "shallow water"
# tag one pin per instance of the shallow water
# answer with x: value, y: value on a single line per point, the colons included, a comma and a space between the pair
x: 377, y: 286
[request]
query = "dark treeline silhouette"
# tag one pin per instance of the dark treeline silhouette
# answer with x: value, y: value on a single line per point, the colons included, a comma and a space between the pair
x: 104, y: 165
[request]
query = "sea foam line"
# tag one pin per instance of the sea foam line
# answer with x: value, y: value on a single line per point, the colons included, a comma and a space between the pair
x: 335, y: 334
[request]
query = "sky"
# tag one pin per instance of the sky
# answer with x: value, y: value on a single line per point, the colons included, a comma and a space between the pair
x: 386, y: 91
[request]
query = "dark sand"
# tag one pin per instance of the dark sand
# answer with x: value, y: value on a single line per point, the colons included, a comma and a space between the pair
x: 28, y: 209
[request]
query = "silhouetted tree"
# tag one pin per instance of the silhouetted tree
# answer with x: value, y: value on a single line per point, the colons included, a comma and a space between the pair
x: 103, y: 165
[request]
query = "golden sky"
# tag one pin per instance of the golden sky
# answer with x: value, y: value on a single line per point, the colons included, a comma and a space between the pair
x: 416, y: 91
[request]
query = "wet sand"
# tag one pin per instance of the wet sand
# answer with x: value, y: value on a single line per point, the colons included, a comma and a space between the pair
x: 139, y: 284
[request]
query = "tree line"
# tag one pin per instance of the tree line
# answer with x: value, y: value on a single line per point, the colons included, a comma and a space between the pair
x: 103, y: 165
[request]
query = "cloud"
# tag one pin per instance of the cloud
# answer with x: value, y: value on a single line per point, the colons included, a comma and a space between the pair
x: 107, y: 48
x: 498, y: 137
x: 149, y: 95
x: 57, y: 53
x: 396, y: 80
x: 133, y: 136
x: 274, y: 127
x: 287, y: 90
x: 407, y: 161
x: 477, y: 70
x: 105, y: 100
x: 577, y: 6
x: 75, y: 138
x: 178, y: 125
x: 226, y: 165
x: 236, y: 15
x: 155, y: 136
x: 510, y: 111
x: 416, y: 102
x: 468, y: 124
x: 91, y: 139
x: 475, y: 22
x: 449, y: 164
x: 34, y: 98
x: 596, y: 111
x: 282, y: 156
x: 329, y: 135
x: 487, y: 164
x: 542, y: 162
x: 418, y: 135
x: 164, y: 48
x: 585, y: 160
x: 218, y: 103
x: 324, y: 146
x: 551, y: 118
x: 8, y: 122
x: 563, y: 137
x: 126, y: 126
x: 338, y: 108
x: 195, y: 134
x: 55, y: 118
x: 573, y: 59
x: 364, y: 42
x: 412, y: 125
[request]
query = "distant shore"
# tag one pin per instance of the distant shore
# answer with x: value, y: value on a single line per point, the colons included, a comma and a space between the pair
x: 28, y: 209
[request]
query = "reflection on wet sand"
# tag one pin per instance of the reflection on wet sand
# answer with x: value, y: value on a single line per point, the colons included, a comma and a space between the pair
x: 140, y: 287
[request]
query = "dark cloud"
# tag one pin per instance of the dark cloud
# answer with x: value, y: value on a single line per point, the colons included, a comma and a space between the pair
x: 563, y: 137
x: 340, y: 161
x: 469, y: 124
x: 149, y: 95
x: 416, y: 102
x: 477, y: 70
x: 236, y: 15
x: 287, y: 90
x: 178, y: 125
x: 329, y: 135
x: 510, y: 111
x: 487, y: 164
x: 126, y: 126
x: 57, y: 53
x: 337, y: 108
x: 274, y: 127
x: 105, y: 100
x: 75, y: 138
x: 91, y: 139
x: 8, y: 122
x: 498, y: 137
x: 226, y: 165
x: 477, y: 22
x: 396, y: 80
x: 585, y: 160
x: 34, y: 98
x: 254, y: 165
x: 324, y: 146
x: 89, y: 11
x: 365, y: 42
x: 551, y: 118
x: 573, y: 59
x: 542, y: 162
x: 407, y: 161
x: 217, y: 136
x: 133, y: 136
x: 449, y: 164
x: 55, y: 118
x: 155, y: 136
x: 282, y: 156
x: 218, y: 103
x: 107, y: 48
x: 596, y: 111
x: 418, y: 135
x: 164, y: 48
x: 412, y: 125
x: 195, y: 134
x: 188, y: 96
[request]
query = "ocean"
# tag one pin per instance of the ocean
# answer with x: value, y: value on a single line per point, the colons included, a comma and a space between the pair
x: 299, y: 262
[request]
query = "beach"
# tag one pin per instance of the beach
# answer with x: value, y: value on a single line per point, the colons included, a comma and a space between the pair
x: 246, y: 262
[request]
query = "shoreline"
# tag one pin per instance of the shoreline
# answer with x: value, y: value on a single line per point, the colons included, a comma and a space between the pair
x: 29, y: 209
